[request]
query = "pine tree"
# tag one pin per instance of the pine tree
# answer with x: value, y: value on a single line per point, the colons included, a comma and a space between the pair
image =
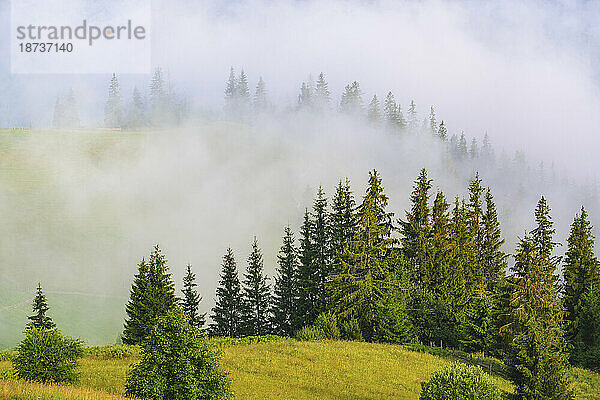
x: 305, y: 98
x: 308, y: 288
x: 322, y: 98
x: 442, y: 132
x: 256, y: 295
x: 321, y: 248
x: 39, y: 319
x: 342, y: 221
x: 390, y: 110
x: 152, y: 296
x: 487, y: 151
x: 476, y: 327
x: 374, y: 114
x: 440, y: 270
x: 231, y: 93
x: 285, y: 293
x: 416, y: 229
x: 260, y: 97
x: 359, y: 290
x: 461, y: 149
x: 433, y: 127
x: 191, y: 300
x: 474, y: 151
x: 243, y: 91
x: 475, y: 228
x: 537, y: 357
x: 542, y: 235
x: 493, y: 258
x: 413, y: 124
x: 112, y: 110
x: 582, y: 276
x: 352, y: 103
x: 227, y: 312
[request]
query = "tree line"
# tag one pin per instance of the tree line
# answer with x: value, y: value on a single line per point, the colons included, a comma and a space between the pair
x: 437, y: 275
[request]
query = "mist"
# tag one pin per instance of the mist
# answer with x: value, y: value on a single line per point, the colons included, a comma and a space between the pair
x: 81, y: 208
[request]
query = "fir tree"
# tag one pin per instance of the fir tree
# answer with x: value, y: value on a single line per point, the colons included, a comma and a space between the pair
x: 493, y: 259
x: 461, y: 149
x: 390, y: 110
x: 152, y: 296
x: 487, y: 151
x: 474, y: 151
x: 352, y: 103
x: 256, y: 295
x: 442, y: 132
x: 476, y: 327
x: 191, y: 300
x: 440, y: 270
x: 415, y: 230
x: 413, y: 124
x: 243, y: 91
x: 543, y: 233
x: 227, y: 312
x: 321, y: 248
x: 308, y: 288
x: 231, y: 92
x: 475, y: 228
x: 305, y: 98
x: 285, y: 293
x: 537, y: 358
x: 374, y: 114
x: 112, y: 110
x: 582, y: 276
x: 342, y: 221
x: 39, y: 319
x: 359, y: 290
x: 260, y: 97
x: 322, y: 97
x: 433, y: 126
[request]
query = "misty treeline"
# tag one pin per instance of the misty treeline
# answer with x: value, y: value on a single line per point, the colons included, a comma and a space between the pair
x: 436, y: 275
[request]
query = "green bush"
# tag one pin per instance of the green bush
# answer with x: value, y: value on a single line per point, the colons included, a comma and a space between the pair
x: 327, y: 323
x: 47, y: 356
x: 177, y: 363
x: 350, y: 330
x: 460, y: 382
x: 310, y: 333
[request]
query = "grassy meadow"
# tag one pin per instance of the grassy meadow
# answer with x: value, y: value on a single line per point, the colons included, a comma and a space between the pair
x: 282, y: 369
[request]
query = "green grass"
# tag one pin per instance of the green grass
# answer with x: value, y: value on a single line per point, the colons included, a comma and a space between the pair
x: 285, y: 369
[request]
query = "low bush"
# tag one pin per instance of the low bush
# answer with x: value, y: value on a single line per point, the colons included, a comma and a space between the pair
x: 177, y: 363
x: 310, y: 333
x: 460, y: 382
x: 350, y: 330
x: 47, y: 356
x: 327, y: 323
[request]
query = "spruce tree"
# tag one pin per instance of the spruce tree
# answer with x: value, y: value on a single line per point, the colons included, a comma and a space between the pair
x: 256, y: 295
x: 112, y: 110
x: 342, y: 221
x: 476, y: 230
x: 582, y: 277
x: 542, y: 235
x: 374, y: 113
x: 227, y: 312
x: 321, y: 248
x: 285, y: 293
x: 442, y: 132
x: 461, y: 149
x: 352, y: 103
x: 415, y: 230
x: 260, y: 97
x: 440, y: 271
x: 152, y: 296
x: 191, y: 300
x: 40, y: 307
x: 390, y: 110
x: 158, y: 97
x: 359, y: 290
x: 305, y: 98
x: 322, y: 98
x: 474, y: 150
x: 537, y: 358
x: 413, y: 124
x: 308, y: 280
x: 493, y: 258
x: 231, y: 93
x: 433, y: 126
x: 243, y: 93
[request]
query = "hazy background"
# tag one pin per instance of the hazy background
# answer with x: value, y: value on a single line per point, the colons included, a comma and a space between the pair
x: 78, y: 210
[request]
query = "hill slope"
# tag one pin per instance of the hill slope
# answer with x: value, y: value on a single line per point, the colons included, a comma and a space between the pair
x: 288, y: 369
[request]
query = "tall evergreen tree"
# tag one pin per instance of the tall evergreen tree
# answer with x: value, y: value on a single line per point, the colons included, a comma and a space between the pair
x: 260, y: 97
x: 433, y: 126
x: 476, y: 230
x: 582, y: 276
x: 321, y: 247
x: 413, y: 123
x: 227, y: 312
x: 285, y: 293
x: 113, y: 113
x: 352, y: 103
x: 461, y: 149
x: 442, y: 132
x: 305, y: 98
x: 537, y: 357
x: 322, y: 98
x: 308, y: 279
x: 152, y: 296
x: 359, y: 290
x: 231, y: 93
x: 415, y: 230
x: 374, y: 113
x: 390, y: 111
x: 474, y: 150
x: 493, y: 258
x: 342, y: 221
x: 440, y: 272
x: 256, y: 295
x: 191, y: 300
x: 542, y: 235
x: 158, y: 97
x: 40, y: 319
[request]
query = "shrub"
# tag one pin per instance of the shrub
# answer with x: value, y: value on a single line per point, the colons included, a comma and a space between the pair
x: 327, y: 323
x: 460, y: 382
x: 177, y: 363
x: 350, y: 330
x: 310, y: 333
x: 47, y: 356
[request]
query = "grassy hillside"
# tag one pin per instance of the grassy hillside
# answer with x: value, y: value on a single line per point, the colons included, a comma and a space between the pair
x: 287, y: 370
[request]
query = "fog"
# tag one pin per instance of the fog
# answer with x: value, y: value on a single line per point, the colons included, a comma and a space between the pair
x: 79, y: 209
